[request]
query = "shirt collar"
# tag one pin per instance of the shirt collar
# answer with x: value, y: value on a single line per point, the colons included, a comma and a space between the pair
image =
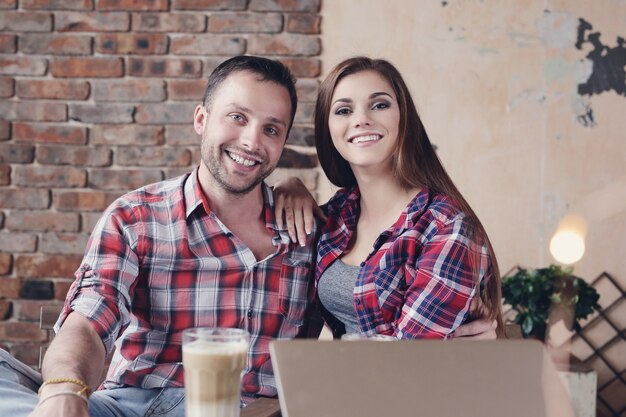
x: 411, y: 213
x: 195, y: 197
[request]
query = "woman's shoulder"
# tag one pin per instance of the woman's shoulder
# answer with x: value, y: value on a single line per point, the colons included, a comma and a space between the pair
x: 341, y: 198
x: 444, y: 208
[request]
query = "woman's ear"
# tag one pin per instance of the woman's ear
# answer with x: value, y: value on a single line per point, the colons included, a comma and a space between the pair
x: 199, y: 119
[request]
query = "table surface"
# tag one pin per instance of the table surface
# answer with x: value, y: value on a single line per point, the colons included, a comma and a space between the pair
x: 263, y: 407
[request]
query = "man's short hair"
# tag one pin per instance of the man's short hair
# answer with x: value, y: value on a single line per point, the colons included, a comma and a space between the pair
x: 266, y: 69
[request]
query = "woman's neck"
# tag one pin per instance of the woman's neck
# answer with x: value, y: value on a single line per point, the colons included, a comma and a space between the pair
x: 382, y: 198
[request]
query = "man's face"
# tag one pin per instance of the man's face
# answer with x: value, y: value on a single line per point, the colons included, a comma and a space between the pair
x: 243, y: 131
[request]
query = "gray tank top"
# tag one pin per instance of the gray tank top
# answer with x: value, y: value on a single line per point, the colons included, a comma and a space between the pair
x: 335, y: 289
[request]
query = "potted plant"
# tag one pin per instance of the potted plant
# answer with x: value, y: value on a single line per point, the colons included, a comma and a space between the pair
x: 534, y: 293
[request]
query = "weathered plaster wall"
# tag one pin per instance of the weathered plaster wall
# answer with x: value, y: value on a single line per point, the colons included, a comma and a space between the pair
x: 526, y: 102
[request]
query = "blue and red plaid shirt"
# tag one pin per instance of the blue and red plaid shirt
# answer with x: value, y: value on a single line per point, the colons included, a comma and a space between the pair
x: 159, y: 261
x: 422, y: 273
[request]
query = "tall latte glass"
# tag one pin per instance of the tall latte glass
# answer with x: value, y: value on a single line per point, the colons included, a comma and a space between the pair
x: 214, y: 359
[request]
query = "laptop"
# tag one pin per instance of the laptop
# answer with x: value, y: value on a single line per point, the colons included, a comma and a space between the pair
x: 414, y: 378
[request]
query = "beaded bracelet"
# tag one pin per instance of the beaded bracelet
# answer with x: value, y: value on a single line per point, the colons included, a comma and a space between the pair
x: 58, y: 394
x: 85, y: 392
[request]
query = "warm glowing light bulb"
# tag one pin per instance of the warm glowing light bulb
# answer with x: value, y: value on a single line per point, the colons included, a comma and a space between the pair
x: 567, y: 247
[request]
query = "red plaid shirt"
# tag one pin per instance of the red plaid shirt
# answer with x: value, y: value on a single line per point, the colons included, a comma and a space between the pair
x: 419, y: 279
x: 159, y: 261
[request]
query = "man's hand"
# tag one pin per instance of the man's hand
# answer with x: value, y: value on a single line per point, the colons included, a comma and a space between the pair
x: 61, y: 406
x: 295, y: 202
x: 481, y: 328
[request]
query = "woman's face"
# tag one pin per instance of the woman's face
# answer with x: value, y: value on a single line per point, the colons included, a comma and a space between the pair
x: 363, y: 121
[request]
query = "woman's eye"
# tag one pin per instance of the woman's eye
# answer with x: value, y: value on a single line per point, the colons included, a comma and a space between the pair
x: 379, y: 106
x: 342, y: 111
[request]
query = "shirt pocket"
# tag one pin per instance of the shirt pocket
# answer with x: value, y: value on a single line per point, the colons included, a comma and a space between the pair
x: 293, y: 292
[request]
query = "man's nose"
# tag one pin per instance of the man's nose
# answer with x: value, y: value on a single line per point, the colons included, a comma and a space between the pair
x: 251, y: 138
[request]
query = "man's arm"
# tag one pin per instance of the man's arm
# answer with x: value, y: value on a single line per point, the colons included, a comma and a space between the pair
x: 76, y: 352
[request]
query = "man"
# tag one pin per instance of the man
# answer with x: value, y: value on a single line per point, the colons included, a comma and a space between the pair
x: 203, y: 249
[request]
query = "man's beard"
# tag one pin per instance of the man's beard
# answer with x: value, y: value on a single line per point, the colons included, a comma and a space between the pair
x: 211, y: 158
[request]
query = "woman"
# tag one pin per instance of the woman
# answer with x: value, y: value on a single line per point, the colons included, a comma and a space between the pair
x: 401, y: 253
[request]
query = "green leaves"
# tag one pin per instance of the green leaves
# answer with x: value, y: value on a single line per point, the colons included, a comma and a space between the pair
x: 533, y: 293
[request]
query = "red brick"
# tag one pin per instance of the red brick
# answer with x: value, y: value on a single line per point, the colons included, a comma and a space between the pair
x: 131, y: 43
x: 209, y: 4
x: 46, y: 133
x: 164, y: 67
x: 89, y: 220
x: 57, y: 4
x: 132, y: 90
x: 7, y: 87
x: 181, y: 135
x: 35, y: 111
x: 82, y: 200
x: 12, y: 331
x: 207, y: 44
x: 176, y: 172
x: 307, y: 89
x: 29, y: 310
x: 18, y: 242
x: 6, y: 307
x: 5, y: 174
x: 8, y: 4
x: 246, y: 22
x: 92, y: 22
x: 74, y: 155
x: 146, y: 5
x: 41, y: 221
x: 293, y: 159
x: 124, y: 179
x: 5, y: 130
x: 5, y: 263
x: 10, y: 287
x: 102, y: 113
x: 17, y: 153
x: 27, y: 353
x: 166, y: 113
x: 61, y: 288
x: 186, y: 89
x: 25, y: 22
x: 304, y: 23
x: 153, y: 156
x: 304, y: 113
x: 63, y: 243
x: 24, y: 198
x: 23, y: 65
x: 126, y: 135
x: 295, y: 45
x: 87, y: 67
x: 45, y: 176
x: 7, y: 43
x: 50, y: 44
x: 168, y: 22
x: 53, y: 89
x: 301, y: 136
x: 284, y: 5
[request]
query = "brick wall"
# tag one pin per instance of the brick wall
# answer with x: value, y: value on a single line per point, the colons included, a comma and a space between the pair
x: 97, y: 98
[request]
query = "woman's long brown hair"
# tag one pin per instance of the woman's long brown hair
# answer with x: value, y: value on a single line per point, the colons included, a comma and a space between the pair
x: 415, y: 163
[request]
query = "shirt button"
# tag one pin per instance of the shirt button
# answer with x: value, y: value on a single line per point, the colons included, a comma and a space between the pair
x: 362, y: 264
x: 249, y: 314
x: 358, y: 301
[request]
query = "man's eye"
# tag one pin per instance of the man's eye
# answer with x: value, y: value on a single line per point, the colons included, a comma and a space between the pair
x: 272, y: 131
x: 236, y: 117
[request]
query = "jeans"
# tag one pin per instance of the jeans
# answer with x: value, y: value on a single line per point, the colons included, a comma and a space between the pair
x: 19, y: 385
